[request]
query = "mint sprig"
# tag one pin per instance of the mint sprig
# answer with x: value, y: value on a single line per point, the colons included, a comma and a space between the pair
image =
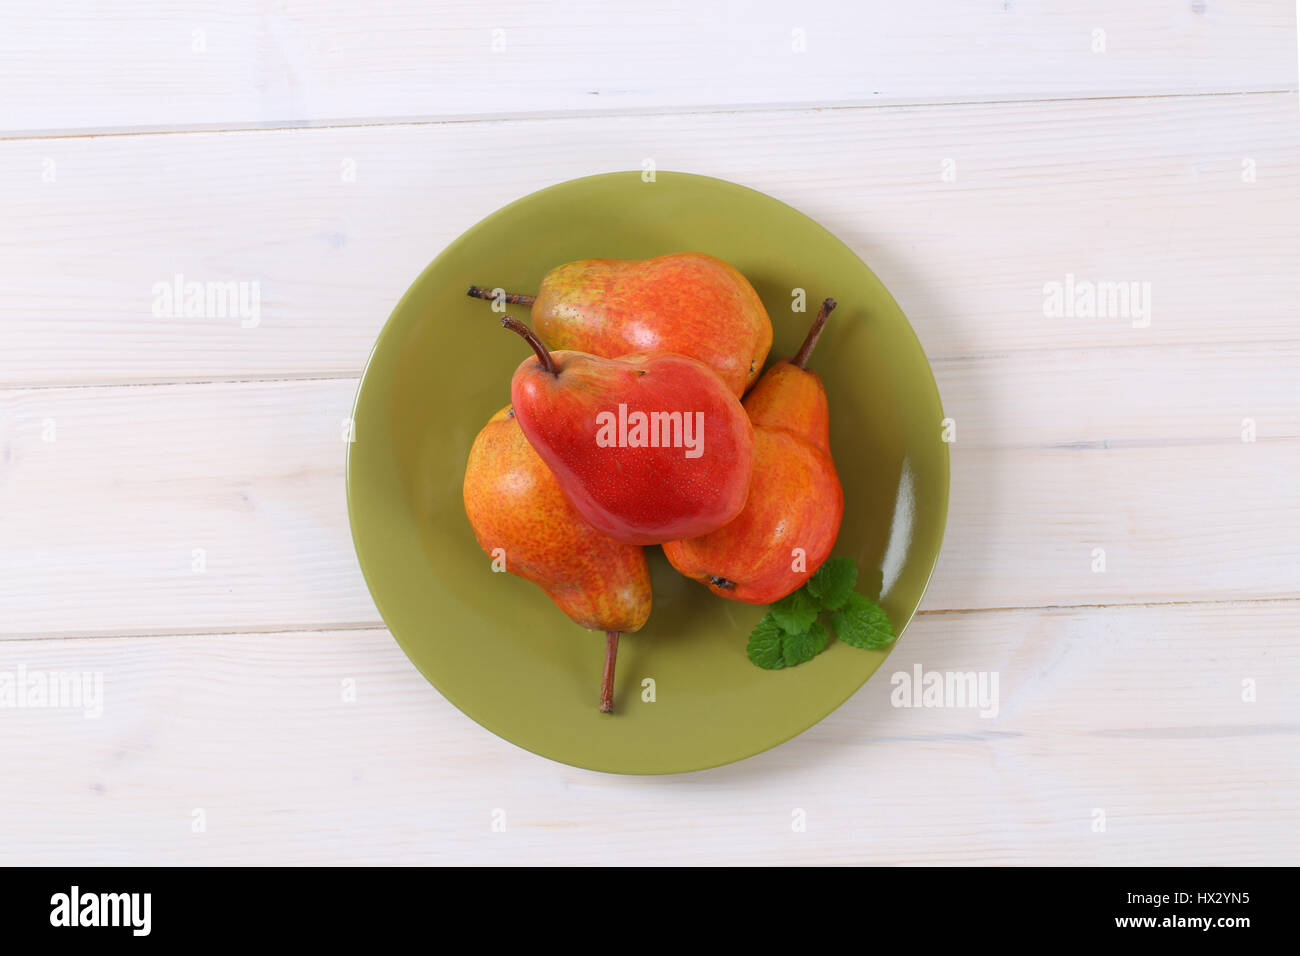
x: 771, y: 647
x: 804, y: 646
x: 765, y: 644
x: 790, y: 633
x: 795, y: 612
x: 862, y: 623
x: 833, y: 583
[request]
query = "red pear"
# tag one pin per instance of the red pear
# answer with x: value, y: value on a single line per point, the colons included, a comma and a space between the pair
x: 648, y: 448
x: 789, y: 524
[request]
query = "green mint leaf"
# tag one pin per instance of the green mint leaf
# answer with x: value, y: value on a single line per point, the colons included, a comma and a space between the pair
x: 765, y: 644
x: 797, y: 648
x: 833, y: 582
x: 862, y: 623
x: 795, y: 612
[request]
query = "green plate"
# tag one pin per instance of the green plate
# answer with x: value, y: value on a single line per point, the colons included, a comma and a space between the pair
x: 493, y: 644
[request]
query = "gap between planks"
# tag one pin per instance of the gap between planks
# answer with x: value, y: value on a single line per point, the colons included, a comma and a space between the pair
x: 341, y: 375
x: 379, y: 625
x: 551, y: 115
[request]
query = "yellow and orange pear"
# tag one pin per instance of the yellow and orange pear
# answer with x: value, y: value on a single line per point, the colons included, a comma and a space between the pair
x: 792, y: 517
x: 690, y: 303
x: 514, y: 504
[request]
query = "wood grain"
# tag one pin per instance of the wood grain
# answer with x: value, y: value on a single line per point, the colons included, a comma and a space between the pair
x: 1134, y: 711
x: 1043, y: 191
x: 101, y: 524
x: 172, y: 511
x: 80, y: 66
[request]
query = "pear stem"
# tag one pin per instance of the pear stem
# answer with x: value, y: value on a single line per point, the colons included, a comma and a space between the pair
x: 607, y: 679
x: 543, y: 356
x: 514, y: 298
x: 805, y: 351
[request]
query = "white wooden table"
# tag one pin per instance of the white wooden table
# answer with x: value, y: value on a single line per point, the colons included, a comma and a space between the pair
x: 172, y: 514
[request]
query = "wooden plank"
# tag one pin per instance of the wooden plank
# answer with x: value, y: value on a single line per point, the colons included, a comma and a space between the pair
x: 1115, y: 397
x: 134, y: 517
x: 1165, y: 522
x: 1148, y: 191
x: 99, y: 527
x: 156, y: 506
x: 146, y: 65
x: 1137, y: 711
